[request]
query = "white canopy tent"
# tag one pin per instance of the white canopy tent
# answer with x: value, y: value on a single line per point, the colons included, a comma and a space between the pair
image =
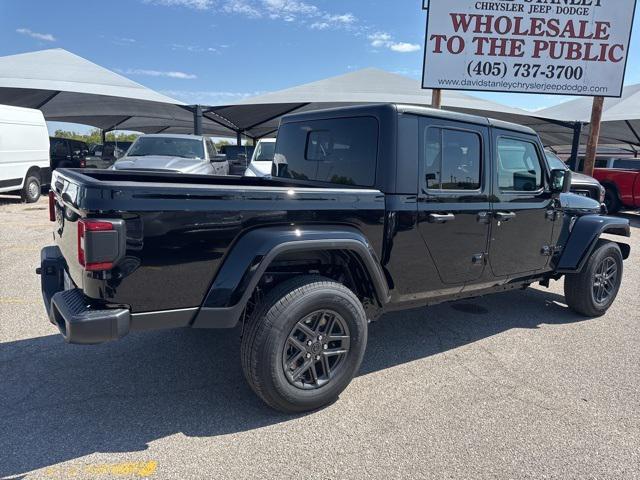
x: 69, y: 88
x: 620, y: 117
x: 259, y: 116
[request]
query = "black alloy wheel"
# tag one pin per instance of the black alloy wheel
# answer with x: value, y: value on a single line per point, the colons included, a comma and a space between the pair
x: 592, y: 291
x: 605, y: 281
x: 316, y: 349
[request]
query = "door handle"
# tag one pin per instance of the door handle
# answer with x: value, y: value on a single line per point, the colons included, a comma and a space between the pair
x: 441, y: 218
x: 505, y: 216
x: 484, y: 217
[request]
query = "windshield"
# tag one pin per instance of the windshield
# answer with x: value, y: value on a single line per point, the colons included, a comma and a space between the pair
x: 264, y: 152
x: 554, y: 162
x: 168, y: 147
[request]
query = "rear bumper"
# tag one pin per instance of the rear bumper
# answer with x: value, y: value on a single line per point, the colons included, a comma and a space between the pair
x: 77, y: 320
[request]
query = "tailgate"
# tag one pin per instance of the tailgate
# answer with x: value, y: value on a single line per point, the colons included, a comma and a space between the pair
x: 89, y: 245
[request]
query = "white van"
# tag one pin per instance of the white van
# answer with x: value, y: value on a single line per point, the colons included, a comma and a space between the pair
x: 24, y: 152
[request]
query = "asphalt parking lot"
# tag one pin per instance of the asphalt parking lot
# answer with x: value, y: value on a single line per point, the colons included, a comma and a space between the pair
x: 508, y: 386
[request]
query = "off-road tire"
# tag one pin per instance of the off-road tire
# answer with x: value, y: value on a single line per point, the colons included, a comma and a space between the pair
x: 269, y: 327
x: 579, y: 287
x: 31, y: 190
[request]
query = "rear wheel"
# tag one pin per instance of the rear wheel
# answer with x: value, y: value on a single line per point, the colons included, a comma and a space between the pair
x: 31, y: 189
x: 612, y: 201
x: 592, y: 291
x: 304, y: 343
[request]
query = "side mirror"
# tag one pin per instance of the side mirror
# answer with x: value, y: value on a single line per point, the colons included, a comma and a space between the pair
x: 560, y: 180
x: 218, y: 158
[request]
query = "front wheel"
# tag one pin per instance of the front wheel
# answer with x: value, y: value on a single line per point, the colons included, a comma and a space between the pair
x: 592, y: 291
x: 304, y: 343
x: 612, y: 201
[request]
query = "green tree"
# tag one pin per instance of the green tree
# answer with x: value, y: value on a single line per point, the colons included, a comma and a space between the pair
x: 95, y: 137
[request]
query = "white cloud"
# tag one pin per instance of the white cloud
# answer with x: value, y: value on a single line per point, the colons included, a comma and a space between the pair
x: 197, y: 4
x: 300, y: 12
x: 385, y: 40
x: 404, y: 47
x: 159, y: 73
x: 284, y: 10
x: 380, y: 39
x: 47, y: 37
x: 241, y: 7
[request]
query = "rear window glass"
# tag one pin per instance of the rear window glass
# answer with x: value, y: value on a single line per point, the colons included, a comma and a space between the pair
x: 340, y: 151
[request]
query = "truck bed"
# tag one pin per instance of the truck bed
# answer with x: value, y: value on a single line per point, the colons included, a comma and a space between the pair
x: 179, y: 227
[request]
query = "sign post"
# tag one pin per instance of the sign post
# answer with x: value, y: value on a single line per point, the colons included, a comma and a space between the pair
x: 577, y: 47
x: 594, y: 135
x: 436, y: 98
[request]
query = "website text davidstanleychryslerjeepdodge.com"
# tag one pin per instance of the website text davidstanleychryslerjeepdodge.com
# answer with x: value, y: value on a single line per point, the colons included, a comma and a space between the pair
x: 529, y: 45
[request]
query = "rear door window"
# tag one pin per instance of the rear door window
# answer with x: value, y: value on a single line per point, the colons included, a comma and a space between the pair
x: 452, y: 159
x: 340, y: 151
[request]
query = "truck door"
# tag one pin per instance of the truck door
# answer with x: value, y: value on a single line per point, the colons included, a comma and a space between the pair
x: 523, y: 210
x: 453, y: 197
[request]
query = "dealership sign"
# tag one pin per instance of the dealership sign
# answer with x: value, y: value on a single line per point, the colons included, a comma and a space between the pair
x: 568, y: 47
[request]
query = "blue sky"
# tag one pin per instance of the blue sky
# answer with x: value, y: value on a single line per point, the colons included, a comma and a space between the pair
x: 216, y: 51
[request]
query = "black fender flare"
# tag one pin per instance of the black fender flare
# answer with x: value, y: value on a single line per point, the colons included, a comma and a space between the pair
x: 249, y: 257
x: 584, y: 237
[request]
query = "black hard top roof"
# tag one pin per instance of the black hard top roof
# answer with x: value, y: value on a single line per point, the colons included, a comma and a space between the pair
x: 384, y: 108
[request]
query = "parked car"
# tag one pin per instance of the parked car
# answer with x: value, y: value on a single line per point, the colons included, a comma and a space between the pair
x: 262, y: 159
x: 104, y: 156
x: 97, y: 149
x: 24, y: 152
x: 618, y: 163
x: 622, y: 188
x: 580, y: 184
x: 174, y: 153
x: 373, y: 208
x: 67, y: 153
x: 238, y: 157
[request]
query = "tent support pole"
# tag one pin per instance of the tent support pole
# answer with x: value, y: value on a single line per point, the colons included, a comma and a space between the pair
x: 113, y: 127
x: 575, y: 146
x: 238, y: 138
x: 197, y: 120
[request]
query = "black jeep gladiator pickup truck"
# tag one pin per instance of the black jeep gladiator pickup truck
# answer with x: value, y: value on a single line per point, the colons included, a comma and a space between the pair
x: 369, y: 209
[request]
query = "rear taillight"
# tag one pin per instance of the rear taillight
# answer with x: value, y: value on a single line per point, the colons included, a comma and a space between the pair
x: 83, y: 163
x: 52, y: 206
x: 92, y: 227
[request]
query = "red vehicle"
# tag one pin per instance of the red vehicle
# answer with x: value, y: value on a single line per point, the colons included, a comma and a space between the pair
x: 622, y: 188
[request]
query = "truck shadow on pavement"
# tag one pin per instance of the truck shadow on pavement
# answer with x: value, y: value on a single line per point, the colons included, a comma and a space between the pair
x: 62, y: 402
